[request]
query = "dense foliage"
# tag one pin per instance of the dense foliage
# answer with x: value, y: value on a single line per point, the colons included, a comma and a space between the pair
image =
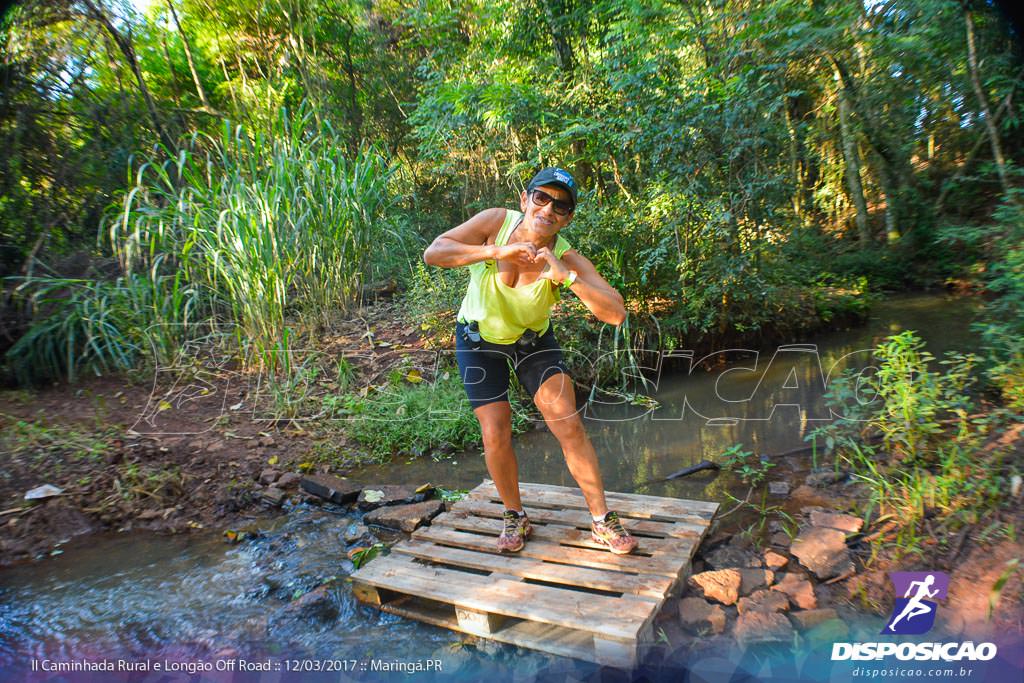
x: 750, y: 169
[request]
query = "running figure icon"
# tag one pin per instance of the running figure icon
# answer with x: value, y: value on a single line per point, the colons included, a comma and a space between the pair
x: 915, y: 606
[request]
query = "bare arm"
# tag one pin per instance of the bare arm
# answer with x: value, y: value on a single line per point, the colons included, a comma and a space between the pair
x: 468, y: 243
x: 593, y: 290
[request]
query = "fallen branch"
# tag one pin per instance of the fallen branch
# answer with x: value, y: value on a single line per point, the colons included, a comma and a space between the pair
x: 692, y: 469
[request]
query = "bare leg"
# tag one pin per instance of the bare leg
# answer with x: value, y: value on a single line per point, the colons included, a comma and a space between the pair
x: 556, y: 401
x: 496, y: 426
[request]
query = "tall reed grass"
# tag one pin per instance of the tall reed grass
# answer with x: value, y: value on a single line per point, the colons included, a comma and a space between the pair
x: 262, y: 229
x: 273, y: 223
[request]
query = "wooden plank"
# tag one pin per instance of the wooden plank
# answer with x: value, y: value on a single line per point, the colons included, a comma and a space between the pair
x: 623, y: 655
x: 610, y: 617
x: 366, y: 593
x: 553, y: 639
x: 626, y: 504
x: 556, y: 640
x: 564, y: 535
x: 678, y: 508
x: 480, y: 623
x: 552, y: 552
x: 581, y: 519
x: 655, y: 587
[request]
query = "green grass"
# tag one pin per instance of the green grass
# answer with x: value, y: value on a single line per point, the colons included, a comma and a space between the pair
x: 39, y: 440
x: 412, y: 418
x: 100, y: 326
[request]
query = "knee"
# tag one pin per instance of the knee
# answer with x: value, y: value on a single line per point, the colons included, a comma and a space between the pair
x: 496, y: 435
x: 568, y: 430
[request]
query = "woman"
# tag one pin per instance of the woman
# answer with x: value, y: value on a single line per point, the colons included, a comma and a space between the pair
x: 519, y: 265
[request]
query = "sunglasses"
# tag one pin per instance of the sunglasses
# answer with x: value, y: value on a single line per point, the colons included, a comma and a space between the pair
x: 560, y: 206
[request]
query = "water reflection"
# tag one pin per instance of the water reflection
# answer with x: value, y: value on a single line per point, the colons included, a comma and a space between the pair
x: 768, y: 402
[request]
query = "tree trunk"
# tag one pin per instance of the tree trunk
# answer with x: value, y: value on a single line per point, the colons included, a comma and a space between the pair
x: 188, y: 56
x: 892, y: 169
x: 355, y: 111
x: 563, y: 50
x: 852, y: 164
x: 124, y: 44
x: 892, y: 230
x: 990, y: 125
x: 949, y: 184
x: 797, y: 160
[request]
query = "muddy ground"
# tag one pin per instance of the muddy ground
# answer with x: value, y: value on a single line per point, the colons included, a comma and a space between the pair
x: 178, y: 448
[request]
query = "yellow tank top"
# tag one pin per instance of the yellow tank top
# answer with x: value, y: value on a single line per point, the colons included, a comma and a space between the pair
x: 502, y: 312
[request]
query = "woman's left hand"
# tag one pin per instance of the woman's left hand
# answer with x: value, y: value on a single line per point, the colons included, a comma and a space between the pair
x: 556, y: 270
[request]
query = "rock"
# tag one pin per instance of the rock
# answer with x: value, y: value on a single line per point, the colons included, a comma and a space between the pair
x: 44, y: 491
x: 355, y: 532
x: 752, y: 579
x: 798, y: 589
x: 774, y: 560
x: 253, y: 629
x: 338, y: 491
x: 727, y: 556
x: 273, y: 496
x: 288, y: 480
x: 722, y: 585
x: 835, y: 520
x: 373, y: 497
x: 823, y: 551
x: 405, y: 517
x: 317, y: 604
x: 61, y: 520
x: 267, y: 442
x: 780, y: 539
x: 822, y: 478
x: 700, y: 616
x: 778, y: 488
x: 812, y: 496
x: 808, y: 619
x: 762, y: 627
x: 269, y: 476
x: 765, y: 601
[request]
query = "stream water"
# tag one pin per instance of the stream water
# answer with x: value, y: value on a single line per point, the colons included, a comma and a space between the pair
x: 194, y: 598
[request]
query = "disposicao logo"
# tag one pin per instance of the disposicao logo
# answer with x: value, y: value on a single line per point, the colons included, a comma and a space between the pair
x: 914, y: 614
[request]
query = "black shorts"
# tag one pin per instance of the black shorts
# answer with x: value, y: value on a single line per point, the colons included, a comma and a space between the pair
x: 485, y: 370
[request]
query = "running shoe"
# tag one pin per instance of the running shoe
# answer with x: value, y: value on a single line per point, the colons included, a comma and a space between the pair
x: 516, y: 531
x: 610, y: 532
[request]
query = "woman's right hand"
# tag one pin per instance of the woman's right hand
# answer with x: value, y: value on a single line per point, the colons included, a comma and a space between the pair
x: 522, y: 253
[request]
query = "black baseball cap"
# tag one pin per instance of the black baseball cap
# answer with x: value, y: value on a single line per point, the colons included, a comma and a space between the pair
x: 554, y: 176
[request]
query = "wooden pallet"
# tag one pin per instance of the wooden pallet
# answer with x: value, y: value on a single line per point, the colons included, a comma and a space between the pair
x: 563, y: 593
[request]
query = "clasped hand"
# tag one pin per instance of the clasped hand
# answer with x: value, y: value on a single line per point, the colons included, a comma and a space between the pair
x: 525, y: 253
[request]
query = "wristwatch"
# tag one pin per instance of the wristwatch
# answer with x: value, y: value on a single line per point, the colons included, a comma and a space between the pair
x: 570, y: 279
